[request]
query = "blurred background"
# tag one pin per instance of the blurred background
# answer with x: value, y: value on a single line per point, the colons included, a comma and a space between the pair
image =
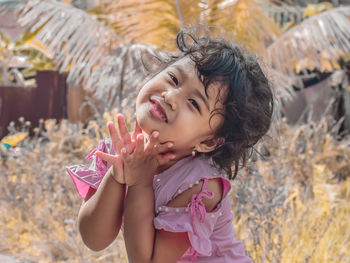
x: 68, y: 67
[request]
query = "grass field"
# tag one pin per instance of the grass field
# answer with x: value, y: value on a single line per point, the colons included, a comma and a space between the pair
x: 290, y: 206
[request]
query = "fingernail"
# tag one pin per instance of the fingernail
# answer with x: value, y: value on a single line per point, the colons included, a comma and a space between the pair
x: 173, y: 157
x: 123, y: 150
x: 155, y: 134
x: 170, y: 144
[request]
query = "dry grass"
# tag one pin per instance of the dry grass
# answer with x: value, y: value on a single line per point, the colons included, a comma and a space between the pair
x: 293, y: 206
x: 290, y: 207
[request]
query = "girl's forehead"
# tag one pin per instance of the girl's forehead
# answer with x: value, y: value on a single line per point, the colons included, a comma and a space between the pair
x: 184, y: 63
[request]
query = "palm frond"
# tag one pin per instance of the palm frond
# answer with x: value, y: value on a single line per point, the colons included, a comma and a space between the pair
x: 244, y: 21
x: 284, y: 14
x: 282, y: 85
x: 302, y: 3
x: 157, y: 22
x: 316, y: 43
x: 78, y: 41
x: 144, y: 22
x: 88, y: 48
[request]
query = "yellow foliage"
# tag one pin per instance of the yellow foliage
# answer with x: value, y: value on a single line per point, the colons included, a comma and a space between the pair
x: 314, y: 9
x: 36, y: 44
x: 14, y: 179
x: 317, y: 223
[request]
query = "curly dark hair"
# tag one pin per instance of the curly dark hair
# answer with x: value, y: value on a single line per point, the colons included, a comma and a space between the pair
x: 248, y: 101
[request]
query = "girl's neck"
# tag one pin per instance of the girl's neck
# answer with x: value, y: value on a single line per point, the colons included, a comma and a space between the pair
x: 168, y: 165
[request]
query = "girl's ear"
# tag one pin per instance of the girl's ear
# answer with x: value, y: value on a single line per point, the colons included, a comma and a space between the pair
x: 210, y: 144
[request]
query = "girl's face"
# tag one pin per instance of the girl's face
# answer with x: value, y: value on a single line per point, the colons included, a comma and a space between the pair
x: 174, y: 103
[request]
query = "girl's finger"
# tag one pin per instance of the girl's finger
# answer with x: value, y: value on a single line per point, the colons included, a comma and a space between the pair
x: 139, y: 144
x: 137, y: 131
x: 106, y: 157
x: 137, y: 127
x: 165, y: 147
x: 124, y: 154
x: 152, y: 142
x: 117, y: 144
x: 124, y: 133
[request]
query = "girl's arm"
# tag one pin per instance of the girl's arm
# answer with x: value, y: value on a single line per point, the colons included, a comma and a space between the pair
x: 143, y: 242
x: 100, y: 215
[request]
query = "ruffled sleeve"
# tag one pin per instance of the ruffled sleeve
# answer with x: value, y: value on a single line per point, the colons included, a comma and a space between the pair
x: 86, y: 177
x: 192, y: 219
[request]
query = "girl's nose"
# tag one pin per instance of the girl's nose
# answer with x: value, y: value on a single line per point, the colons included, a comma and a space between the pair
x: 170, y: 98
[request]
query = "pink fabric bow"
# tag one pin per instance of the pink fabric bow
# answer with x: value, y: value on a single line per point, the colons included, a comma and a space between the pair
x: 197, y: 207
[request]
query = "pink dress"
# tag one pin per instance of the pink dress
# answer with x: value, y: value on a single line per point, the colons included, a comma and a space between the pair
x: 211, y: 234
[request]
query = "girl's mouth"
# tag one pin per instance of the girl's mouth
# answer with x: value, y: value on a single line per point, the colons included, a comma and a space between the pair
x: 157, y: 111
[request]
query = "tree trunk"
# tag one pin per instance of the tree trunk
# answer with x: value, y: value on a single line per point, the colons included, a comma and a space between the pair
x: 346, y: 98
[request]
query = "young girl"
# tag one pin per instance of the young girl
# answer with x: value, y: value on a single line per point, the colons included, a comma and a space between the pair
x: 168, y: 183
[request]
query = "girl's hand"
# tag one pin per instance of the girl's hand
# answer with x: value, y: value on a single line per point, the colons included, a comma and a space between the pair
x: 124, y: 141
x: 141, y: 165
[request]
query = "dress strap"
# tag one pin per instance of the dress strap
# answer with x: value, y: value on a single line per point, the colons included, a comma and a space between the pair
x: 197, y: 207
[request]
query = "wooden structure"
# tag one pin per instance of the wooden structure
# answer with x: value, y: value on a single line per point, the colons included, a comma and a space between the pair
x: 48, y: 100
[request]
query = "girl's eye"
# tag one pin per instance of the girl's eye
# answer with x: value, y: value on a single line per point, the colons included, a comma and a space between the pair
x: 174, y: 79
x: 195, y: 104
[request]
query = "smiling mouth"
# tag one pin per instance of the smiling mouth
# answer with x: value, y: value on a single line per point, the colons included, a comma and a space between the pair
x: 157, y: 111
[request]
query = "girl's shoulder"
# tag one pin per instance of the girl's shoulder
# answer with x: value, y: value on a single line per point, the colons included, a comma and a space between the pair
x: 208, y: 191
x: 193, y: 168
x: 188, y: 175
